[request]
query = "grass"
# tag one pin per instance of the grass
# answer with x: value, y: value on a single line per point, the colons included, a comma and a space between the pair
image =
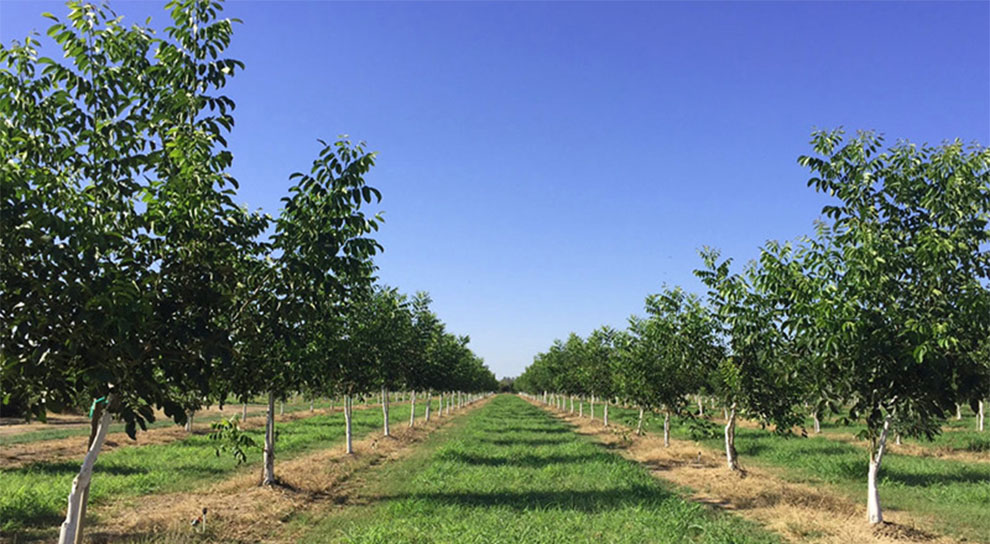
x: 33, y: 497
x: 953, y: 496
x: 510, y: 472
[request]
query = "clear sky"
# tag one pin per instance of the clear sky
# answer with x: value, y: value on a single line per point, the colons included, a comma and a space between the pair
x: 546, y: 165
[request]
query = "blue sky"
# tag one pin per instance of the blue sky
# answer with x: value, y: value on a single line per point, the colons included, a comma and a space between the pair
x: 546, y: 165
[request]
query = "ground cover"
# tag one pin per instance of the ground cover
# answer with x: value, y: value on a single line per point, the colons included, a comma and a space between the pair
x: 943, y: 496
x: 513, y: 473
x: 32, y: 497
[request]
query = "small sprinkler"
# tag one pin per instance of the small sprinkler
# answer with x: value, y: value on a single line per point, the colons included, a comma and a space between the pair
x: 199, y: 522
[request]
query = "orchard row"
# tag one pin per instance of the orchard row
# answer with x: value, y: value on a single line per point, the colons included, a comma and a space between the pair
x: 131, y: 281
x: 882, y: 316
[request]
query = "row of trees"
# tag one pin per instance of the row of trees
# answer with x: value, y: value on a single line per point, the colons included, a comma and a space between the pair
x: 883, y: 315
x: 131, y: 281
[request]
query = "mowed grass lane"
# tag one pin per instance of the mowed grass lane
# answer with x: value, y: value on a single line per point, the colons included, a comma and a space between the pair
x: 33, y: 497
x: 510, y: 472
x: 953, y: 496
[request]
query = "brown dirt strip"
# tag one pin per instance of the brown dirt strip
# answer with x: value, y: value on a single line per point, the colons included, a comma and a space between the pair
x: 239, y: 510
x: 798, y: 512
x: 73, y: 448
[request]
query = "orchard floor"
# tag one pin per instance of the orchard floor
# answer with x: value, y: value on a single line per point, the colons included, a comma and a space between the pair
x: 513, y: 473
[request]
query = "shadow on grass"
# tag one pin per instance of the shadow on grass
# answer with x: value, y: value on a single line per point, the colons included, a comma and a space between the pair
x: 57, y: 468
x: 581, y: 501
x: 525, y: 441
x: 525, y: 461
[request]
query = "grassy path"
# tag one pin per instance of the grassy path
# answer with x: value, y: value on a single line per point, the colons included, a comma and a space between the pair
x: 32, y: 497
x: 512, y: 473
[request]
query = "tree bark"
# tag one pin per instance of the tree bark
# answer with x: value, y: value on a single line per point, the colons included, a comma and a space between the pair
x: 347, y: 423
x: 818, y: 424
x: 244, y: 412
x: 980, y: 417
x: 639, y: 424
x: 572, y: 404
x: 310, y: 405
x: 71, y: 531
x: 666, y: 428
x: 606, y: 413
x: 429, y: 405
x: 592, y: 409
x: 189, y: 420
x: 958, y: 412
x: 581, y: 407
x: 268, y: 477
x: 701, y: 407
x: 412, y: 409
x: 731, y: 457
x: 874, y: 514
x: 385, y: 410
x: 281, y: 407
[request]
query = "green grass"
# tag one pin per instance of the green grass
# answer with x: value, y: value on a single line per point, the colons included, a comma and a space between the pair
x: 510, y: 472
x: 953, y: 495
x: 33, y: 497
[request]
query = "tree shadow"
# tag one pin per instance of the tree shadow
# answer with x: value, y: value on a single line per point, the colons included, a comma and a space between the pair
x: 525, y: 441
x: 582, y: 501
x: 58, y: 468
x: 524, y: 461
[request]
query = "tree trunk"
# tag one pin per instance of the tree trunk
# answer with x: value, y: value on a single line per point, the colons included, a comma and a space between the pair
x: 639, y: 424
x: 268, y: 477
x: 429, y: 405
x: 72, y: 528
x: 281, y: 407
x: 412, y: 408
x: 592, y: 408
x: 385, y: 410
x: 666, y: 428
x: 874, y: 514
x: 572, y: 404
x: 189, y: 420
x: 980, y: 418
x: 818, y: 424
x: 958, y: 412
x: 449, y: 398
x: 440, y: 406
x: 347, y: 423
x: 701, y: 407
x: 606, y: 413
x: 244, y: 412
x: 731, y: 457
x: 310, y: 405
x: 581, y: 407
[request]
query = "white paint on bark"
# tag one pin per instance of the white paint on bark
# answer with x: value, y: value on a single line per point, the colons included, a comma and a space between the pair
x: 639, y: 423
x: 980, y: 418
x: 189, y: 420
x: 606, y: 413
x: 874, y: 514
x: 244, y: 412
x: 385, y: 411
x: 731, y: 457
x: 666, y: 428
x: 429, y: 405
x: 412, y: 408
x: 268, y: 477
x: 347, y: 424
x: 71, y: 530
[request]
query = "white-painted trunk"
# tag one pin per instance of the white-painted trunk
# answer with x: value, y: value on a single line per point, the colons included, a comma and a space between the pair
x: 310, y: 405
x: 429, y: 405
x: 281, y: 407
x: 268, y: 477
x: 701, y: 407
x: 980, y: 418
x: 605, y: 417
x: 72, y: 528
x: 958, y: 412
x: 189, y: 420
x: 639, y: 423
x: 666, y: 428
x: 731, y: 458
x: 572, y: 404
x: 874, y: 514
x: 581, y: 407
x: 244, y: 412
x: 412, y: 408
x: 385, y: 411
x: 347, y: 424
x: 449, y: 398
